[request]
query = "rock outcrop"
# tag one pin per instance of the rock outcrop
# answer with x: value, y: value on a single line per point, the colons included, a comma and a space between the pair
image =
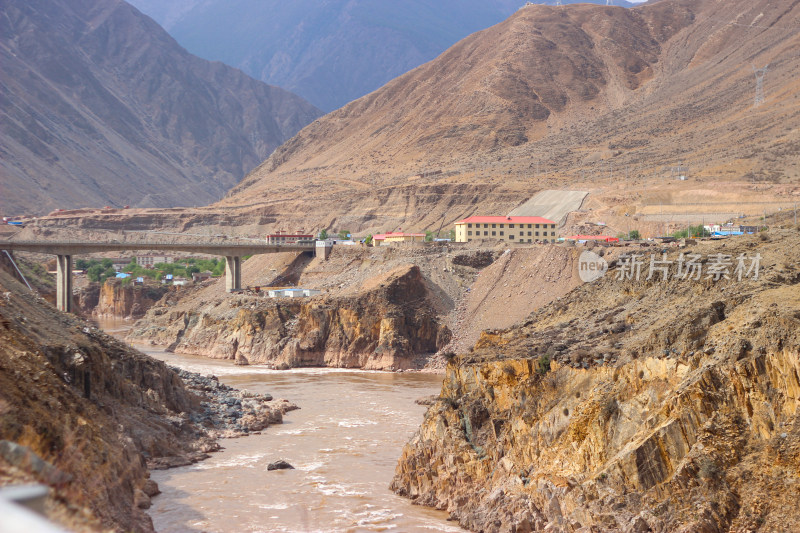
x: 628, y: 405
x: 386, y: 325
x: 117, y: 299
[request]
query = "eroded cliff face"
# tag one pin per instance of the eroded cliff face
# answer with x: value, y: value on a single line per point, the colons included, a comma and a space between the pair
x: 386, y: 325
x: 627, y: 406
x: 120, y: 300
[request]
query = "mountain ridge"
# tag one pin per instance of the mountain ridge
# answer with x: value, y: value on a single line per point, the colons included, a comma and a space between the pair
x: 330, y: 53
x: 101, y: 106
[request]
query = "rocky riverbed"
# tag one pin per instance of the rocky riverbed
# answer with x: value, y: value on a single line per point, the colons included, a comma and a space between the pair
x: 228, y: 412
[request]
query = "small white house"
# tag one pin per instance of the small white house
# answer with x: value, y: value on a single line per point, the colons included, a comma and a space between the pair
x: 293, y: 293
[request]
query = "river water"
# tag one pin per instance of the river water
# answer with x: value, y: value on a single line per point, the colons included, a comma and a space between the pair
x: 344, y: 443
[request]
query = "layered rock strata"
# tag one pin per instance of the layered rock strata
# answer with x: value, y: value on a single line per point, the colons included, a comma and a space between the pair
x: 628, y: 405
x: 386, y: 325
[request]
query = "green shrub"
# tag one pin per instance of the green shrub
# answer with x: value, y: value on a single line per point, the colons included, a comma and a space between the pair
x: 543, y: 364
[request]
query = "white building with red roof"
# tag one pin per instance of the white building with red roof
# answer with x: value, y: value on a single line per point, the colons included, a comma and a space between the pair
x: 506, y: 228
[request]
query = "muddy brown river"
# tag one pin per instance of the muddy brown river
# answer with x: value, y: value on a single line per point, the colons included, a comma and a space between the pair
x: 344, y: 443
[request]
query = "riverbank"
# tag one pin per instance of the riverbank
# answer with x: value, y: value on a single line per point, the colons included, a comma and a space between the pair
x: 87, y: 415
x: 343, y: 444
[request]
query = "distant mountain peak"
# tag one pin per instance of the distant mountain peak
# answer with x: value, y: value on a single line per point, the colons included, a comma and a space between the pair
x: 333, y: 52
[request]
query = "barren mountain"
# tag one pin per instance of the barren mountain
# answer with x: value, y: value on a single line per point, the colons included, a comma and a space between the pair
x: 552, y: 97
x: 328, y: 52
x: 101, y: 106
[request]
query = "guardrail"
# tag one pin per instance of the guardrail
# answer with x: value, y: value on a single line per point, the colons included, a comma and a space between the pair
x: 22, y: 509
x: 226, y: 247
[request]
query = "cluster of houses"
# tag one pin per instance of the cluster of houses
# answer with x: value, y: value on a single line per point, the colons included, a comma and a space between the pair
x: 511, y: 229
x: 145, y: 261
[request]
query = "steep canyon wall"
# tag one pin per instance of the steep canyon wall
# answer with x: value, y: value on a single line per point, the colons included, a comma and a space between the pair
x: 384, y: 327
x: 628, y: 405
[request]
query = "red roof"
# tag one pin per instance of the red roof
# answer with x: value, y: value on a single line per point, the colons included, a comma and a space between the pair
x: 505, y: 220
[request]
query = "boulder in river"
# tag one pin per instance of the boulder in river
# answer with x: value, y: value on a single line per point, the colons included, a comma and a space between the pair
x: 280, y: 464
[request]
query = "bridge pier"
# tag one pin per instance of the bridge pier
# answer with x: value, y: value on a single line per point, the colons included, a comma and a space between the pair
x: 233, y: 273
x: 322, y: 249
x: 64, y: 283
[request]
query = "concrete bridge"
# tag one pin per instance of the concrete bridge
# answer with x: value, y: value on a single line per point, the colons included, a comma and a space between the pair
x: 232, y: 251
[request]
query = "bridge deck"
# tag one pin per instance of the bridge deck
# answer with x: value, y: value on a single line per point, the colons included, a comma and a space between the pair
x: 233, y: 252
x: 65, y: 247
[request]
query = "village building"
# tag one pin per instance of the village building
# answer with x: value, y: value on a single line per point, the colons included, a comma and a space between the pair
x: 199, y: 277
x: 391, y: 238
x: 119, y: 263
x: 506, y: 228
x: 285, y: 238
x: 149, y: 261
x: 292, y: 293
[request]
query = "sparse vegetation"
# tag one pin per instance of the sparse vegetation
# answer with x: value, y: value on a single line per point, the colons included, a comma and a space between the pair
x: 632, y: 235
x: 693, y: 232
x: 543, y: 364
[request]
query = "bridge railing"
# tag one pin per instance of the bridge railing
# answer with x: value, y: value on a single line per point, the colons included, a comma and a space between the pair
x: 117, y: 242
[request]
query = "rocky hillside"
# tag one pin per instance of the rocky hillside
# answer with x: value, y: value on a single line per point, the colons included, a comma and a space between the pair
x: 584, y: 96
x: 629, y: 405
x: 329, y: 53
x: 86, y: 415
x: 382, y: 308
x: 386, y: 325
x: 100, y: 106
